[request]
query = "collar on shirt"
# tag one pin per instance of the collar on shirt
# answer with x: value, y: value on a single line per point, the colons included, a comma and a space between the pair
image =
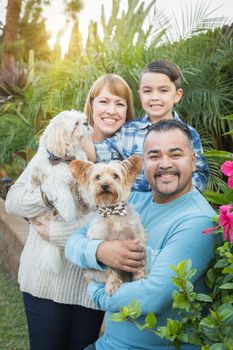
x: 146, y: 122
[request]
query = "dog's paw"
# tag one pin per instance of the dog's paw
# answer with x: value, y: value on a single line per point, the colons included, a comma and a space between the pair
x: 66, y: 210
x: 112, y: 285
x: 140, y: 274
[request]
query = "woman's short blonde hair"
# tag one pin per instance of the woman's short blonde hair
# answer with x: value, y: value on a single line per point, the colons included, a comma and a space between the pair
x: 116, y: 86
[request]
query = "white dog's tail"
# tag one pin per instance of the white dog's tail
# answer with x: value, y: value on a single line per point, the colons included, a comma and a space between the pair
x: 50, y: 258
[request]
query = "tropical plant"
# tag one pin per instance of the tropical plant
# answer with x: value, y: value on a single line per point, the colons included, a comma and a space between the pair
x: 130, y: 42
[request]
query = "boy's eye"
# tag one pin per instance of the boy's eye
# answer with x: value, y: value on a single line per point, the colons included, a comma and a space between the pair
x: 164, y: 90
x: 146, y: 91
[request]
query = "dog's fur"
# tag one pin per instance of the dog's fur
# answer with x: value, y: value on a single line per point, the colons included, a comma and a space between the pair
x: 107, y: 185
x: 63, y: 136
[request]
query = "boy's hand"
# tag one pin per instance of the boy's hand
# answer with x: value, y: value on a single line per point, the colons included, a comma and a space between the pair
x: 127, y: 255
x: 89, y: 148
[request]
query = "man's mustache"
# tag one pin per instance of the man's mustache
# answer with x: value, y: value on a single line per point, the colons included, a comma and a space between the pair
x: 162, y: 172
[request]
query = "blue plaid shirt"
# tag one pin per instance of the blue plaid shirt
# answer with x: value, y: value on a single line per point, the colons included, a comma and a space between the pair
x: 129, y: 140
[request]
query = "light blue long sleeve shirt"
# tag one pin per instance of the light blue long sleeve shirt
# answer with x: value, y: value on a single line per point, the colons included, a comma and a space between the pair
x: 175, y: 230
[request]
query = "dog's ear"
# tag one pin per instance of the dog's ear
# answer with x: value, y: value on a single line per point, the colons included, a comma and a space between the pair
x: 133, y: 165
x: 54, y: 139
x: 81, y: 170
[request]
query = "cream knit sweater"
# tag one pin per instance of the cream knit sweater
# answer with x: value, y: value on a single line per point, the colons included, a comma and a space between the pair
x: 68, y: 287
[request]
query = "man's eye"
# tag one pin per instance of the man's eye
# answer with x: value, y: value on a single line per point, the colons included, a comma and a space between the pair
x: 176, y: 155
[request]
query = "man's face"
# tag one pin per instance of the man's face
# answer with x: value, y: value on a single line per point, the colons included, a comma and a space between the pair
x: 169, y: 163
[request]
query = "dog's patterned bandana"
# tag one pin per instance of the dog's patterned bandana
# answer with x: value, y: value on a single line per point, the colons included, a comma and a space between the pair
x: 119, y: 209
x: 54, y: 160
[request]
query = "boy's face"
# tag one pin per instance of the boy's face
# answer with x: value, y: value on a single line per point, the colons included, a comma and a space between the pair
x: 158, y: 95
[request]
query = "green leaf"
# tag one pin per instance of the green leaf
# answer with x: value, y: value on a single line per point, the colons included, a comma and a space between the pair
x: 226, y: 286
x: 219, y: 155
x: 134, y: 309
x: 216, y: 198
x: 162, y: 332
x: 204, y: 297
x: 194, y: 339
x: 218, y: 346
x: 228, y: 269
x: 180, y: 301
x: 226, y: 314
x: 125, y: 311
x: 117, y: 317
x: 220, y: 264
x: 151, y: 320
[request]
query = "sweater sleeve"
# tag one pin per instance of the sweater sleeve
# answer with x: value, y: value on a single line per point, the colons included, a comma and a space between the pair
x: 60, y: 231
x: 23, y: 201
x: 155, y: 291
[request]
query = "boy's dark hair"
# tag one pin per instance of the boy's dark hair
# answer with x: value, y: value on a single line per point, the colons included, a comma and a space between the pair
x: 171, y: 124
x: 165, y: 67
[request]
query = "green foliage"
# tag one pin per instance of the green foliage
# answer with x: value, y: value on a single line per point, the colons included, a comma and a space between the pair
x: 13, y: 328
x: 211, y: 331
x: 202, y: 50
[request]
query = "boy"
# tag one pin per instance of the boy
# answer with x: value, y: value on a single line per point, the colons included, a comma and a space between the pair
x: 159, y: 90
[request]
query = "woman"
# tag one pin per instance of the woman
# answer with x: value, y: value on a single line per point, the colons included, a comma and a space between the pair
x: 59, y: 313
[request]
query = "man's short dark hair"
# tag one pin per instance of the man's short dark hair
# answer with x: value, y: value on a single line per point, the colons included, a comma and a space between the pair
x: 171, y: 124
x: 165, y: 67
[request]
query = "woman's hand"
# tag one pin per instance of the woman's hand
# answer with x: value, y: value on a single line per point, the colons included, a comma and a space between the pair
x: 127, y: 255
x: 41, y: 224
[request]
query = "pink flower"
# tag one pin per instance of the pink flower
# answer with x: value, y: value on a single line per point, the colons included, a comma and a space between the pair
x: 226, y: 220
x: 227, y: 169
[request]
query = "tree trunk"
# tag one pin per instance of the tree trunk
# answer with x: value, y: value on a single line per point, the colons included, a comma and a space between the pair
x: 9, y: 37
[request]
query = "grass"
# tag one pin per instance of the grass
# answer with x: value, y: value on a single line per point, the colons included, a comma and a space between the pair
x: 13, y: 328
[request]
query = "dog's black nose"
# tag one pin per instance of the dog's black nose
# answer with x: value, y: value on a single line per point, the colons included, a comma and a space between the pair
x: 85, y: 124
x: 105, y: 187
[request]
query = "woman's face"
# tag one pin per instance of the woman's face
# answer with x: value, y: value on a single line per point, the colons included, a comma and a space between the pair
x: 109, y: 114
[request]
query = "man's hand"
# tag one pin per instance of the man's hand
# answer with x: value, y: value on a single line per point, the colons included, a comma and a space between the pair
x: 127, y: 255
x: 42, y: 226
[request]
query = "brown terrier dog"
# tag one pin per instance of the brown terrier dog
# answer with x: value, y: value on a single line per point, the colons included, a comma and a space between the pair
x: 107, y: 187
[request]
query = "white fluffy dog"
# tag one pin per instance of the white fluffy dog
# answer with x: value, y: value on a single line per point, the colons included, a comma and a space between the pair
x: 60, y: 143
x: 107, y: 187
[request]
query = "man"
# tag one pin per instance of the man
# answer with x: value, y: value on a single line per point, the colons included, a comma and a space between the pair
x: 174, y: 215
